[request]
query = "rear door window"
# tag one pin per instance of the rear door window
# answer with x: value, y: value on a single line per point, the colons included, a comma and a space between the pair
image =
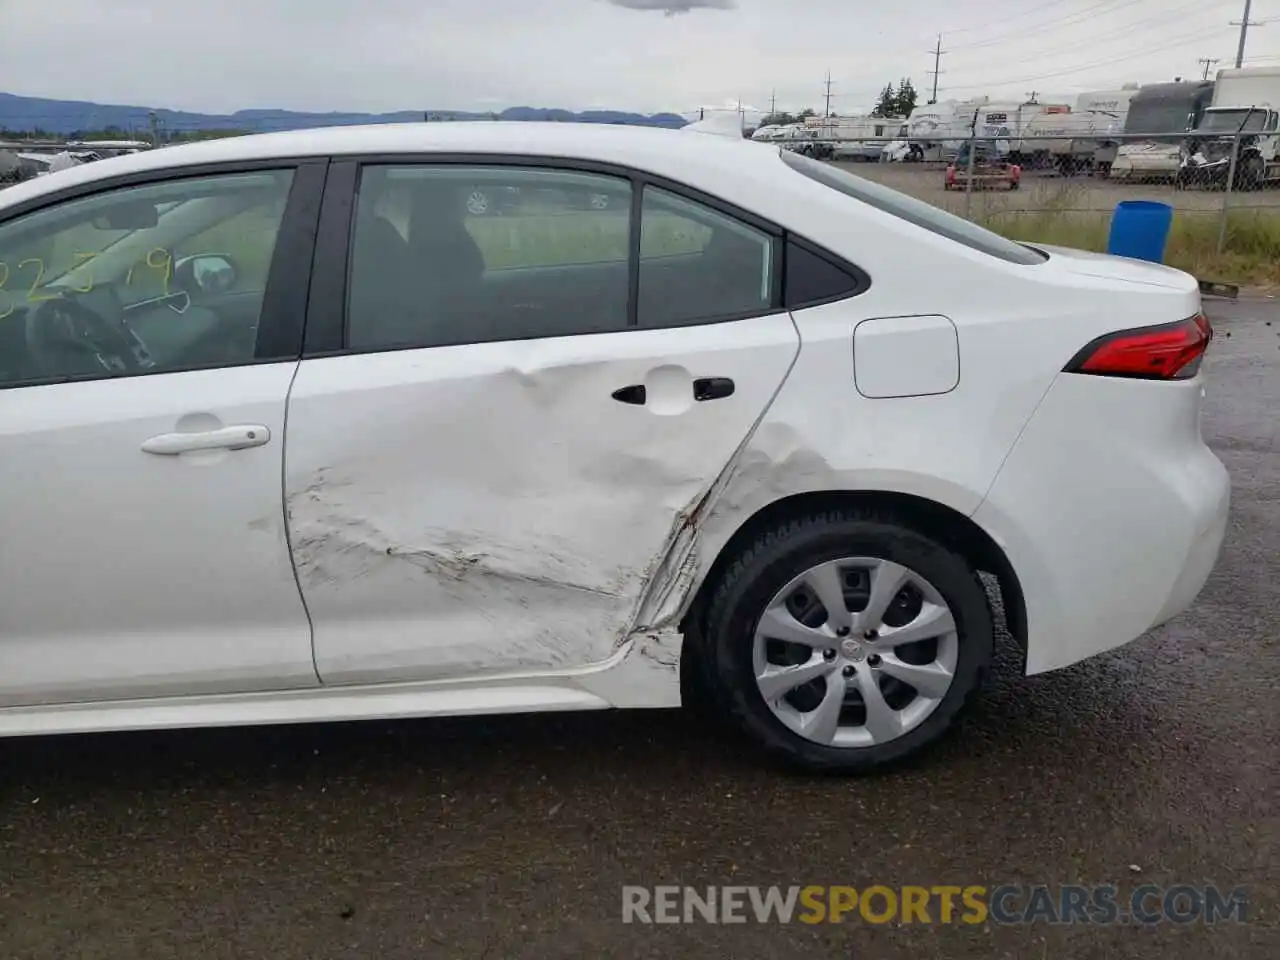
x: 444, y: 254
x: 698, y: 265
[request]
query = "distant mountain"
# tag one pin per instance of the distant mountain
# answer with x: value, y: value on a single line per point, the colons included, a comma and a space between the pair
x: 66, y: 117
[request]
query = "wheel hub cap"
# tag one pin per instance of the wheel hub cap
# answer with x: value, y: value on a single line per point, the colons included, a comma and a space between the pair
x: 855, y: 652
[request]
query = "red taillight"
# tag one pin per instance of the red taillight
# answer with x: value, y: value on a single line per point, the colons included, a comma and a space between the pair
x: 1171, y: 351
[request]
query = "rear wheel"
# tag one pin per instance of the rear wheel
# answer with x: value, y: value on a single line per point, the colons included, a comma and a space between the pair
x: 845, y: 641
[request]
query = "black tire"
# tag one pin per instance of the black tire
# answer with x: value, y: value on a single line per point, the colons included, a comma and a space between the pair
x: 1251, y: 173
x: 770, y: 562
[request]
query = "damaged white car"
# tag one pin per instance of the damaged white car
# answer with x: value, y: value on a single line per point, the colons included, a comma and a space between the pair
x: 288, y: 433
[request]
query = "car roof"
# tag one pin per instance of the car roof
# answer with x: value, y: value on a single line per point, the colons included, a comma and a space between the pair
x: 679, y: 154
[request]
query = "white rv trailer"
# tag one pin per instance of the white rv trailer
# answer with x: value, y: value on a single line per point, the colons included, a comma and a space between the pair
x: 934, y: 131
x: 1006, y: 123
x: 852, y: 138
x: 1086, y: 138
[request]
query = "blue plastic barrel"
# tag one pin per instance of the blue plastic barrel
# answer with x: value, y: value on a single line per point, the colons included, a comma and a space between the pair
x: 1140, y: 229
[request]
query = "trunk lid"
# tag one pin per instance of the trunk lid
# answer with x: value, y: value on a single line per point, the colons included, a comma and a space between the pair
x: 1107, y: 267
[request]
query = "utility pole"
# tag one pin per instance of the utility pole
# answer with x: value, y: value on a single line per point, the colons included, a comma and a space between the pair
x: 1031, y: 96
x: 937, y: 52
x: 1244, y: 24
x: 827, y: 112
x: 1207, y: 64
x: 773, y: 104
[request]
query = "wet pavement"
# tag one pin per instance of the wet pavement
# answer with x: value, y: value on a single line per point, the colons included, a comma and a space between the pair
x: 512, y: 837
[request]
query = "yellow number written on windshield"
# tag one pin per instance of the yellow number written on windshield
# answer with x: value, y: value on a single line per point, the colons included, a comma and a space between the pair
x: 8, y: 302
x: 158, y: 262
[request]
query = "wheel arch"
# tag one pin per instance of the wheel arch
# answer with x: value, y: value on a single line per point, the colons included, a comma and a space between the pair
x: 945, y: 524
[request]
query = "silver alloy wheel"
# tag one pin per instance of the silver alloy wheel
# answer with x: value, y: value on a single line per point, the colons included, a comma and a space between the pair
x: 478, y: 203
x: 855, y: 677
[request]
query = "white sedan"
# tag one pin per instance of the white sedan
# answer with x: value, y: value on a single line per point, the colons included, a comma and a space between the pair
x: 287, y: 433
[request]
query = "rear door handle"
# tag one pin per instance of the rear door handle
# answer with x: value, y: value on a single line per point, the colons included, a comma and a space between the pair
x: 712, y: 388
x: 228, y: 438
x: 635, y: 393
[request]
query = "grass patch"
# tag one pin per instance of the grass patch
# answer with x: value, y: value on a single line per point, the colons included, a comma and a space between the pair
x: 559, y: 240
x: 1250, y: 256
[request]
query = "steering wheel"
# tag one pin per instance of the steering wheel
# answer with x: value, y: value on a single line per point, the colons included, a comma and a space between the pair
x: 66, y: 337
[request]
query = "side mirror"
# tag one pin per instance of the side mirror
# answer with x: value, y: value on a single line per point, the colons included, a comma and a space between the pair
x: 206, y: 273
x: 128, y: 215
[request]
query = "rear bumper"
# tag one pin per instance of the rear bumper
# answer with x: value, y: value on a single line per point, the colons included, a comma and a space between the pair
x: 1112, y: 512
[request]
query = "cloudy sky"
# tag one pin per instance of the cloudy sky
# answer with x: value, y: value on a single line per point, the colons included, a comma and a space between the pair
x: 645, y: 55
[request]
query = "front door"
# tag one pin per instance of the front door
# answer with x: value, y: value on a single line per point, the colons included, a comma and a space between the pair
x: 484, y: 481
x: 142, y: 401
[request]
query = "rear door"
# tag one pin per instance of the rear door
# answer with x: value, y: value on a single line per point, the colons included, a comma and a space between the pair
x: 507, y: 412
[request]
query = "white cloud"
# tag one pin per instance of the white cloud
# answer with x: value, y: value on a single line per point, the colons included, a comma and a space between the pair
x: 478, y: 54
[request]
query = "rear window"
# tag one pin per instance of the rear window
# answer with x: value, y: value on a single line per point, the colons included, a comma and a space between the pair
x: 913, y: 211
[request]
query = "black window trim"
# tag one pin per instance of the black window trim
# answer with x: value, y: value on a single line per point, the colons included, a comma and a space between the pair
x: 861, y: 279
x: 326, y: 333
x: 281, y: 323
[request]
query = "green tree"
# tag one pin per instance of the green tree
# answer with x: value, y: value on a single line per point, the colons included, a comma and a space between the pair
x: 806, y: 113
x: 905, y: 97
x: 887, y: 105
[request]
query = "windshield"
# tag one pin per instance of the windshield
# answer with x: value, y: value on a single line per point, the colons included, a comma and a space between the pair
x: 1228, y: 121
x: 914, y: 211
x: 65, y: 256
x: 1159, y: 117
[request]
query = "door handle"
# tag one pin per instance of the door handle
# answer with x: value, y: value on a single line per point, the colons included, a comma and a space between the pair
x: 712, y: 388
x: 228, y: 438
x: 635, y: 393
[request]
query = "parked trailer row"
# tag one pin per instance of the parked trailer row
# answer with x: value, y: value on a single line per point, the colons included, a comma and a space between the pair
x: 1181, y: 131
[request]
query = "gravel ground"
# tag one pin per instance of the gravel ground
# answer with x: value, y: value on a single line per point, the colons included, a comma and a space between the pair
x: 512, y: 837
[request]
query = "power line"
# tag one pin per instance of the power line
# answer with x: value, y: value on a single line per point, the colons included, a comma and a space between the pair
x: 1069, y: 20
x: 1198, y: 37
x: 1121, y: 36
x: 1012, y: 16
